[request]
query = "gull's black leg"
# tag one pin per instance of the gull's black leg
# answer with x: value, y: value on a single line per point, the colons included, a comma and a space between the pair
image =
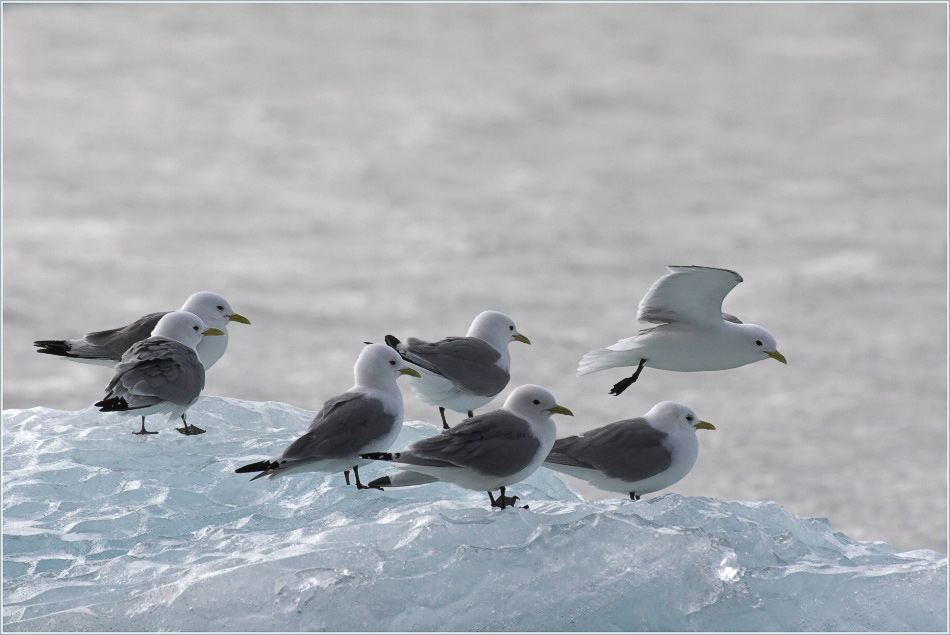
x: 143, y: 430
x: 189, y: 429
x: 470, y: 414
x: 503, y: 501
x: 356, y: 473
x: 623, y: 384
x: 445, y: 424
x: 346, y: 475
x: 634, y: 497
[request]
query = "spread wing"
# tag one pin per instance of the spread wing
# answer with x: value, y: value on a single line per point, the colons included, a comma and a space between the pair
x: 342, y: 428
x: 630, y: 450
x: 468, y: 362
x: 688, y: 294
x: 498, y: 443
x: 158, y: 369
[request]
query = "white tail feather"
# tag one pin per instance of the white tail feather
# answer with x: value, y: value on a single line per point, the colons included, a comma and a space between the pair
x: 405, y: 479
x: 601, y: 359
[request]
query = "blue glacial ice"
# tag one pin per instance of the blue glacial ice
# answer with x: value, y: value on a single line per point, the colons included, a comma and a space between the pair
x: 105, y: 531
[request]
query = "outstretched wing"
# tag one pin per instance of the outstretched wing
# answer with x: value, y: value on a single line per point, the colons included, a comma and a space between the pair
x: 630, y: 450
x: 688, y: 294
x: 498, y: 443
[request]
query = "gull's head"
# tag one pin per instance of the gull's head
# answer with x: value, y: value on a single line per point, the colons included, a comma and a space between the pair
x: 378, y: 365
x: 669, y: 415
x: 213, y: 309
x: 534, y: 402
x: 761, y: 342
x: 496, y: 328
x: 183, y: 327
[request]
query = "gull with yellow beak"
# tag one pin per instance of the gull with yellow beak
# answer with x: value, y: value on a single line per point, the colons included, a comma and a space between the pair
x: 484, y: 453
x: 693, y: 333
x: 161, y: 374
x: 105, y: 348
x: 366, y: 418
x: 463, y: 373
x: 634, y: 456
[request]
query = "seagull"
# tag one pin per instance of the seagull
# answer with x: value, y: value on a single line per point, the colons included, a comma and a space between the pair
x: 463, y: 373
x: 105, y: 348
x: 693, y: 333
x: 366, y: 418
x: 161, y: 374
x: 483, y: 453
x: 633, y: 456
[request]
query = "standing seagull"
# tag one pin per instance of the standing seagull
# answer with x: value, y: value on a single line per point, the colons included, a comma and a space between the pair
x: 105, y: 348
x: 483, y: 453
x: 633, y: 456
x: 463, y: 373
x: 693, y: 333
x: 366, y: 418
x: 161, y: 374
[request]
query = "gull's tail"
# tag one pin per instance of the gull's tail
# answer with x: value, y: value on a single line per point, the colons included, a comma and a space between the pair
x: 402, y: 479
x: 266, y: 468
x: 77, y: 351
x: 603, y: 358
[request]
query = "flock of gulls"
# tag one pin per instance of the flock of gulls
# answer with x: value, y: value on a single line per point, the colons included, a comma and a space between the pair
x: 160, y: 360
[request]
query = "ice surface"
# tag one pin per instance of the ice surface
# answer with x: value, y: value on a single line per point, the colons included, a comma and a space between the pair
x: 104, y: 530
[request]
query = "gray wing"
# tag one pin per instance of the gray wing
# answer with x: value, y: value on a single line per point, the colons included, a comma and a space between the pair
x: 728, y: 317
x: 690, y: 294
x: 467, y: 362
x: 115, y: 342
x: 630, y: 450
x: 158, y: 369
x: 342, y: 428
x: 496, y: 443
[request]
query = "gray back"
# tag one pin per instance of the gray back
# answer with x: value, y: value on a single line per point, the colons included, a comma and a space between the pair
x: 629, y: 450
x: 468, y: 362
x: 342, y: 428
x: 496, y: 443
x: 117, y: 341
x: 158, y: 369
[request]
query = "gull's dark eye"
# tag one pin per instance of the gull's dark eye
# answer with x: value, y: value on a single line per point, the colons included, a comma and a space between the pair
x: 220, y: 308
x: 536, y: 402
x: 689, y: 417
x: 758, y: 342
x: 392, y: 362
x: 195, y: 327
x: 511, y: 328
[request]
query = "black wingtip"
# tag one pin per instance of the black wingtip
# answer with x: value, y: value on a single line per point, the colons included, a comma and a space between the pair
x: 260, y: 466
x: 53, y: 347
x: 113, y: 404
x: 383, y: 481
x: 392, y: 342
x: 380, y: 456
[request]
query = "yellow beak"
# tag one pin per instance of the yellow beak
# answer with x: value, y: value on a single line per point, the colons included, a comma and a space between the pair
x: 237, y: 317
x: 409, y: 371
x: 213, y: 331
x: 704, y: 425
x: 778, y: 356
x: 560, y: 410
x: 520, y: 338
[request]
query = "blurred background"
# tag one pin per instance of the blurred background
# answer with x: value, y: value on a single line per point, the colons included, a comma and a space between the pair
x: 344, y: 171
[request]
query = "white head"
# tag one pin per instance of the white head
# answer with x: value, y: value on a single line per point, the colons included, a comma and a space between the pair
x: 760, y: 343
x: 212, y: 309
x: 497, y: 329
x: 379, y: 366
x: 669, y: 416
x: 534, y: 402
x: 183, y: 327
